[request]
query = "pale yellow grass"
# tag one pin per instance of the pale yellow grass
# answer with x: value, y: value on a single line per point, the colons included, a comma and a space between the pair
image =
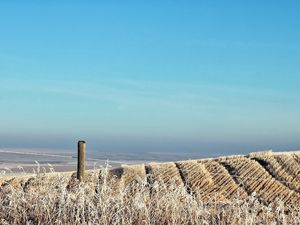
x: 226, y: 190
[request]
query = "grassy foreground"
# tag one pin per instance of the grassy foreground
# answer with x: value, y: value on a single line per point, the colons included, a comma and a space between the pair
x: 260, y: 188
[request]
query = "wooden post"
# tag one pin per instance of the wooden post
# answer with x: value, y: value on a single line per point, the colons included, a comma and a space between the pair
x: 81, y: 160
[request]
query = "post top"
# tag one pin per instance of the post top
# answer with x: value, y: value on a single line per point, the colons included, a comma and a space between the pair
x: 81, y: 142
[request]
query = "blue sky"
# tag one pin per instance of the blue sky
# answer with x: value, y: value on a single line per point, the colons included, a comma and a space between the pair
x: 150, y: 75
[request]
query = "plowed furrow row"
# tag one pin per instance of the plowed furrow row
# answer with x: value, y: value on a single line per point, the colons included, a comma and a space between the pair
x: 167, y: 173
x: 133, y: 174
x: 297, y: 157
x: 133, y: 180
x: 224, y: 184
x: 281, y: 171
x: 123, y: 177
x: 290, y: 164
x: 256, y: 179
x: 197, y: 178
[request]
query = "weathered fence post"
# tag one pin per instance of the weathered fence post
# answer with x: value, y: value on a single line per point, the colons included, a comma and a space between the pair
x: 81, y: 160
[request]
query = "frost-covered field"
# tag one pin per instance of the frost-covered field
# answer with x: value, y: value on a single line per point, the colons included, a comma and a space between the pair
x: 259, y: 188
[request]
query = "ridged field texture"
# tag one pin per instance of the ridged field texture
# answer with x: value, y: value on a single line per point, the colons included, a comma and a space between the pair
x: 268, y: 175
x: 264, y: 184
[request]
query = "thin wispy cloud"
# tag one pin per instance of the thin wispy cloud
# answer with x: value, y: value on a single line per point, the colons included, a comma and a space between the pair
x: 127, y: 93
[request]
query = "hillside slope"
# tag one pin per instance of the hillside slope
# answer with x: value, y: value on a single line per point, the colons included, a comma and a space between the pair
x: 258, y: 188
x: 270, y: 175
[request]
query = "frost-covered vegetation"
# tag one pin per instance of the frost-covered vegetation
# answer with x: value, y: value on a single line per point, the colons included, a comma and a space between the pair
x: 228, y: 193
